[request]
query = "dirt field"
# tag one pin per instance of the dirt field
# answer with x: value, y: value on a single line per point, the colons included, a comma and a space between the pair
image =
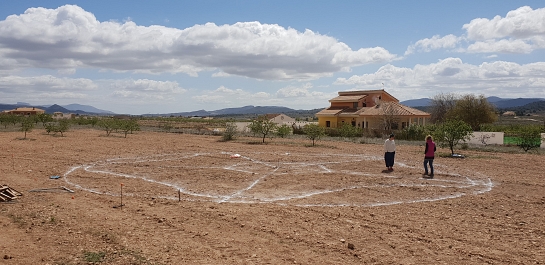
x: 191, y: 199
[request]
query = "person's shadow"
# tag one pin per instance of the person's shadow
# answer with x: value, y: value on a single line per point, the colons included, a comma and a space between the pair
x: 387, y: 171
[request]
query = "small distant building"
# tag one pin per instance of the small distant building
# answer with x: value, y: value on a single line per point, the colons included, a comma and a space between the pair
x: 26, y: 111
x: 509, y: 113
x: 59, y: 115
x: 280, y: 119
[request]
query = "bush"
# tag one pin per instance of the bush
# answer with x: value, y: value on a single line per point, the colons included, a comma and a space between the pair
x: 230, y: 131
x: 415, y: 132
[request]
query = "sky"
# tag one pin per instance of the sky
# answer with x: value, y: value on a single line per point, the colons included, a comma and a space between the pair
x: 149, y: 57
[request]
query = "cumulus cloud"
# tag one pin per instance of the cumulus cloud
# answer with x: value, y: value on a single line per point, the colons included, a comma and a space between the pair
x: 521, y: 23
x: 302, y: 92
x: 44, y: 87
x: 69, y: 37
x: 436, y: 42
x: 520, y: 31
x: 145, y: 89
x: 229, y: 96
x: 20, y: 84
x: 295, y: 96
x: 451, y: 75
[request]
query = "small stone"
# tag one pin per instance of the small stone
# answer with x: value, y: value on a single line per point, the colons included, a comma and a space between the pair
x: 350, y: 246
x: 342, y: 240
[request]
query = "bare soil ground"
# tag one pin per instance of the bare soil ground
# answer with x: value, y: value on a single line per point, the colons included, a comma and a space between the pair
x: 191, y: 199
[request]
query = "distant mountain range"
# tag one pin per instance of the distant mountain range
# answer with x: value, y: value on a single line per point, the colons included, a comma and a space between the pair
x: 500, y: 103
x: 50, y: 109
x: 246, y: 110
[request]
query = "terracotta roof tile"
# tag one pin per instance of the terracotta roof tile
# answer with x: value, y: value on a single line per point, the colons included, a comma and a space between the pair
x: 347, y: 98
x: 393, y: 108
x: 329, y: 111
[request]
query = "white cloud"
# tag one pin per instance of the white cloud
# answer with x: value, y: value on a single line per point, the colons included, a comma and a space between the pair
x: 145, y: 91
x: 500, y: 46
x: 521, y: 23
x: 294, y: 91
x: 451, y: 75
x: 44, y: 88
x: 436, y: 42
x: 227, y: 96
x: 302, y: 95
x: 520, y: 31
x: 149, y: 86
x: 25, y: 85
x: 293, y: 96
x: 69, y: 37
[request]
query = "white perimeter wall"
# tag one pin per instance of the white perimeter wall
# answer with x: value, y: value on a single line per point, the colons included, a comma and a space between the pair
x: 483, y: 138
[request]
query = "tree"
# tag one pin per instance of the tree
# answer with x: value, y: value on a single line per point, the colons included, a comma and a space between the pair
x: 441, y: 104
x: 348, y: 131
x: 473, y: 110
x: 44, y: 118
x: 127, y: 126
x: 14, y: 119
x: 390, y: 118
x: 50, y: 127
x: 27, y: 124
x: 262, y: 126
x: 283, y: 130
x: 313, y: 132
x: 63, y: 126
x: 108, y: 125
x: 93, y: 120
x: 451, y: 132
x: 4, y: 119
x: 528, y: 137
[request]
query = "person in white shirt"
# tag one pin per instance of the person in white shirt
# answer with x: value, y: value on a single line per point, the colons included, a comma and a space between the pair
x: 389, y: 152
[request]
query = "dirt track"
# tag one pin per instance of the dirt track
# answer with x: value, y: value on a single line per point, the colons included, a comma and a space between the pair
x: 188, y: 201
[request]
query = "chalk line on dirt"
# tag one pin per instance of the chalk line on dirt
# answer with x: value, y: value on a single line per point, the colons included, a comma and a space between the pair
x: 249, y: 164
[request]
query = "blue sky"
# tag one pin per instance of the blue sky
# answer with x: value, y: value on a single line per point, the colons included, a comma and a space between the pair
x: 140, y: 57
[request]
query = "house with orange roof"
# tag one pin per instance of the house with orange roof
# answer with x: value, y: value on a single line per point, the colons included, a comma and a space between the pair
x: 370, y: 109
x: 26, y: 111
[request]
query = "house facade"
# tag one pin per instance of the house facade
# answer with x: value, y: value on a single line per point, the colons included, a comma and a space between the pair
x: 27, y: 111
x: 370, y: 109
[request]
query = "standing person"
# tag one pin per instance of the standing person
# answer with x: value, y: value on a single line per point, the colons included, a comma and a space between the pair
x: 429, y: 155
x: 390, y: 152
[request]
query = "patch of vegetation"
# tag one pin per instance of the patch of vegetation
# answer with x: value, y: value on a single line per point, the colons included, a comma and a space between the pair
x: 16, y: 219
x: 94, y: 257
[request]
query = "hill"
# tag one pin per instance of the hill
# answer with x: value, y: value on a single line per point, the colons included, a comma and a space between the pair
x: 245, y: 112
x: 57, y: 108
x: 500, y: 103
x: 86, y: 108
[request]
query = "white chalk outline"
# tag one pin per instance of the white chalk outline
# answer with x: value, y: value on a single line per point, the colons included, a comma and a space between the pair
x: 476, y: 186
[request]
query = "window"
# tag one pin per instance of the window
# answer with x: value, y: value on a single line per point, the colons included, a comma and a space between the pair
x: 355, y: 105
x: 327, y: 124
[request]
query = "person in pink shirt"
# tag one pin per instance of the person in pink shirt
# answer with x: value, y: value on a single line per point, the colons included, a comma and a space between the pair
x: 429, y: 155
